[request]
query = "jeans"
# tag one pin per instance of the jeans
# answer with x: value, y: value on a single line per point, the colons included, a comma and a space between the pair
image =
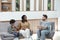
x: 41, y: 34
x: 16, y: 34
x: 31, y: 32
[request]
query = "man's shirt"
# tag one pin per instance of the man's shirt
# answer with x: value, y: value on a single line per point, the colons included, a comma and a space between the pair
x: 45, y: 24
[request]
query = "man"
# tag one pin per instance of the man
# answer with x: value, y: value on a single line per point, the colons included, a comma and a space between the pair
x: 43, y: 29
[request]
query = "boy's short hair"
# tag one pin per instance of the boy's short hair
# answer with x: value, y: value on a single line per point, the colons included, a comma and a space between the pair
x: 12, y: 21
x: 45, y: 16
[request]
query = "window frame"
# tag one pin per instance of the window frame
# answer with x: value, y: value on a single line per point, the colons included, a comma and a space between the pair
x: 41, y: 6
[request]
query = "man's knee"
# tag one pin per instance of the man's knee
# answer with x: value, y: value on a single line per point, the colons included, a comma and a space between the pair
x: 42, y: 32
x: 38, y: 30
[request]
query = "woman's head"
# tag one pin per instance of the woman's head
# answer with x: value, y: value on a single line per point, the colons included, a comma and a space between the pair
x: 24, y: 18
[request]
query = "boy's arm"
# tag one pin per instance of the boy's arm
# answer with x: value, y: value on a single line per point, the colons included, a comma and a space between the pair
x: 10, y: 30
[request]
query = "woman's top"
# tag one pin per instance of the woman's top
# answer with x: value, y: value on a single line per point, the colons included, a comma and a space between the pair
x: 22, y: 25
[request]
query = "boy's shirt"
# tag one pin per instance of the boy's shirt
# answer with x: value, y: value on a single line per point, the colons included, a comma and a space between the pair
x: 11, y: 29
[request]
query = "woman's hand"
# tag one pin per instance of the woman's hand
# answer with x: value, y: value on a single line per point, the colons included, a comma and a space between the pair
x: 23, y: 28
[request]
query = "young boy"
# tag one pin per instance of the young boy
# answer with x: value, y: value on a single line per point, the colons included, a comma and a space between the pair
x: 13, y: 29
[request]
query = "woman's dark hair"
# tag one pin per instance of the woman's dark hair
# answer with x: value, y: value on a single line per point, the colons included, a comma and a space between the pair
x: 23, y: 19
x: 12, y: 21
x: 45, y: 16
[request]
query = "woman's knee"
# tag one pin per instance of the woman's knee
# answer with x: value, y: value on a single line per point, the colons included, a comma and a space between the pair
x: 27, y: 30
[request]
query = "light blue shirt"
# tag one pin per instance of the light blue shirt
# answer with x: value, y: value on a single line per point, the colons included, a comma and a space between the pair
x: 11, y: 30
x: 45, y: 24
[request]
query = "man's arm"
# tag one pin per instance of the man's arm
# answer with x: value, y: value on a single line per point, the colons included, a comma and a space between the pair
x: 39, y: 27
x: 43, y: 27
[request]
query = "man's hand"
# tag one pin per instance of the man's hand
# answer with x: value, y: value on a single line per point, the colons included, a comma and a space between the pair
x: 43, y: 27
x: 40, y: 27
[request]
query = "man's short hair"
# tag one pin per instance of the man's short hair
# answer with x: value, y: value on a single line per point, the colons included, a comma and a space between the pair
x: 12, y: 21
x: 45, y: 16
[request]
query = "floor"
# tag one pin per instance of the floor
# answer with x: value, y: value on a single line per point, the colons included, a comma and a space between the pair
x: 34, y: 36
x: 56, y: 36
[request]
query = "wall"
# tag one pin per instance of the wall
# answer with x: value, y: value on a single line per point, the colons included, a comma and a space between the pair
x: 32, y: 14
x: 33, y: 24
x: 59, y: 24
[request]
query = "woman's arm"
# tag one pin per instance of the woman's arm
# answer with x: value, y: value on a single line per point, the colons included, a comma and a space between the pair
x: 19, y: 26
x: 28, y: 25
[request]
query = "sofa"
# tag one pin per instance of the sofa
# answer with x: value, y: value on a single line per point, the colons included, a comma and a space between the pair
x: 3, y: 32
x: 52, y: 31
x: 33, y: 25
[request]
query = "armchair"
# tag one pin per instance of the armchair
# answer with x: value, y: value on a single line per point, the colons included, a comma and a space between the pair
x: 52, y: 31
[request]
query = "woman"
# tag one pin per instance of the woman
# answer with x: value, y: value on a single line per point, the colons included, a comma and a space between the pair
x: 24, y: 27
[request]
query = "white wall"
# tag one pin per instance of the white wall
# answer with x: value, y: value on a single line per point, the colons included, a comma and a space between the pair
x: 59, y: 23
x: 57, y: 5
x: 31, y: 15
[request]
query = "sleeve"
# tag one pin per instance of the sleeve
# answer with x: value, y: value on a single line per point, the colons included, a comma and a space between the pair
x: 47, y: 25
x: 9, y: 30
x: 19, y: 26
x: 28, y: 25
x: 40, y: 23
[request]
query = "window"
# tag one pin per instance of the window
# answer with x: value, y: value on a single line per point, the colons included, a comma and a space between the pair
x: 17, y: 5
x: 37, y: 5
x: 27, y: 5
x: 49, y: 4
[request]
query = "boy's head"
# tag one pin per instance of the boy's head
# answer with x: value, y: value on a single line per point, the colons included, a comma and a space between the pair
x: 12, y: 21
x: 44, y: 17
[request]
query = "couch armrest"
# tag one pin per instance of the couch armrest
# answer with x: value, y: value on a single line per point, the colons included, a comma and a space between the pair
x: 52, y: 29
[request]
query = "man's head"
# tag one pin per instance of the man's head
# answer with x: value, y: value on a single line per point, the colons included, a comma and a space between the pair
x: 44, y: 17
x: 12, y: 21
